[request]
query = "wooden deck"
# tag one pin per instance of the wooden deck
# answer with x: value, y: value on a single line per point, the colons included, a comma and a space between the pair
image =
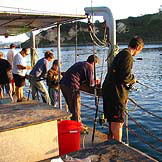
x: 29, y: 131
x: 21, y: 114
x: 105, y: 151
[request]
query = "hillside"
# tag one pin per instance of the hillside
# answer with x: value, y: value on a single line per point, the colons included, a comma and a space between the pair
x: 149, y: 27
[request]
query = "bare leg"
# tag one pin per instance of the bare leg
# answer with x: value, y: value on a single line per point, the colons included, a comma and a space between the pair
x: 13, y: 86
x: 1, y: 92
x: 18, y: 93
x: 21, y: 93
x: 66, y: 107
x: 116, y: 129
x: 78, y: 108
x: 10, y: 91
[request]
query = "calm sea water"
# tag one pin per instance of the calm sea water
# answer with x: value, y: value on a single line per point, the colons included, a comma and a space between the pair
x: 148, y: 70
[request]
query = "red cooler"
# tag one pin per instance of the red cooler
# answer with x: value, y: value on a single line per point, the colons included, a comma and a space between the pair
x: 68, y: 136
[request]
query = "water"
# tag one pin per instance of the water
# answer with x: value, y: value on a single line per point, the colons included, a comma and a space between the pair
x: 148, y: 70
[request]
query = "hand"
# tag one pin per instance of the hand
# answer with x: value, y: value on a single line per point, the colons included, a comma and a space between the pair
x: 28, y: 67
x: 135, y: 80
x: 98, y: 81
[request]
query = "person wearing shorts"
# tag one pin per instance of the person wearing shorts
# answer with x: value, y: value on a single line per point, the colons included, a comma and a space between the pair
x: 19, y: 80
x: 19, y: 71
x: 116, y: 86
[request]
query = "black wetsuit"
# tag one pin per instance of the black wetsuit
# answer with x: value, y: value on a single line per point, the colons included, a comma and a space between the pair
x: 114, y: 88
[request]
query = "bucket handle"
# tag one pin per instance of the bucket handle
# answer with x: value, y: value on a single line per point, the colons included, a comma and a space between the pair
x: 73, y: 131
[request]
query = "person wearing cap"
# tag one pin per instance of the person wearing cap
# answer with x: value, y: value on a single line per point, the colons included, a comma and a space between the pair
x: 78, y: 74
x: 19, y: 71
x: 38, y: 74
x: 52, y: 83
x: 116, y: 86
x: 10, y: 56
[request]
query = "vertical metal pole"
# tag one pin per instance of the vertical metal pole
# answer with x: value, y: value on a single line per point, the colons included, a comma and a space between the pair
x: 59, y: 60
x: 95, y: 90
x: 32, y: 38
x: 76, y: 42
x: 96, y: 97
x: 126, y: 118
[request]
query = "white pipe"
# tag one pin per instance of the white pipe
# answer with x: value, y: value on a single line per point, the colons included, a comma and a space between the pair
x: 59, y: 60
x: 110, y: 23
x: 108, y: 16
x: 32, y: 38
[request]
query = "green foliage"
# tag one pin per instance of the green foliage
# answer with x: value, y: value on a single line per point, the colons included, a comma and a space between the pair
x: 149, y: 27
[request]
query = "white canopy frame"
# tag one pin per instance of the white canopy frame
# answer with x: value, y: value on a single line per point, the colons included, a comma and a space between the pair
x: 18, y: 21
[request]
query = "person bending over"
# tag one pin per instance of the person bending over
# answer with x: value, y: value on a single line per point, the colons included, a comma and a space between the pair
x: 74, y: 77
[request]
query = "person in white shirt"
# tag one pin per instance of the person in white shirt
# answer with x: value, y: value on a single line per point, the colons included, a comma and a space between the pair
x: 11, y: 53
x: 10, y: 56
x: 19, y: 71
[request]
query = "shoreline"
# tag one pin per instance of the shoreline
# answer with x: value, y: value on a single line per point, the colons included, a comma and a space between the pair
x: 81, y: 45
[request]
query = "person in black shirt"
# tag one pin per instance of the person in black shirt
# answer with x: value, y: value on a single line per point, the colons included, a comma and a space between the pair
x: 5, y: 76
x: 116, y: 85
x: 74, y: 77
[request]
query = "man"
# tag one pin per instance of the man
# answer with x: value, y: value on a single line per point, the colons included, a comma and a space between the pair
x: 19, y: 71
x: 38, y: 74
x: 11, y: 53
x: 10, y: 56
x: 74, y: 77
x: 5, y: 78
x: 116, y: 85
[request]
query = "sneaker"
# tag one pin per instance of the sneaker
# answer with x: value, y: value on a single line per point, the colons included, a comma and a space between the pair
x: 55, y: 105
x: 24, y: 99
x: 19, y: 100
x: 13, y: 93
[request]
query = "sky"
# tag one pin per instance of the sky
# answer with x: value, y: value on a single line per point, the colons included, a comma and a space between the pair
x: 120, y: 8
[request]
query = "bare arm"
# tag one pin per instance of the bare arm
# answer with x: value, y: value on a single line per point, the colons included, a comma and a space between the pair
x: 24, y: 67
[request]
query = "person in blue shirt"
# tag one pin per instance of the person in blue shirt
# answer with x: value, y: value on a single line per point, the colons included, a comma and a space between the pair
x: 38, y: 74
